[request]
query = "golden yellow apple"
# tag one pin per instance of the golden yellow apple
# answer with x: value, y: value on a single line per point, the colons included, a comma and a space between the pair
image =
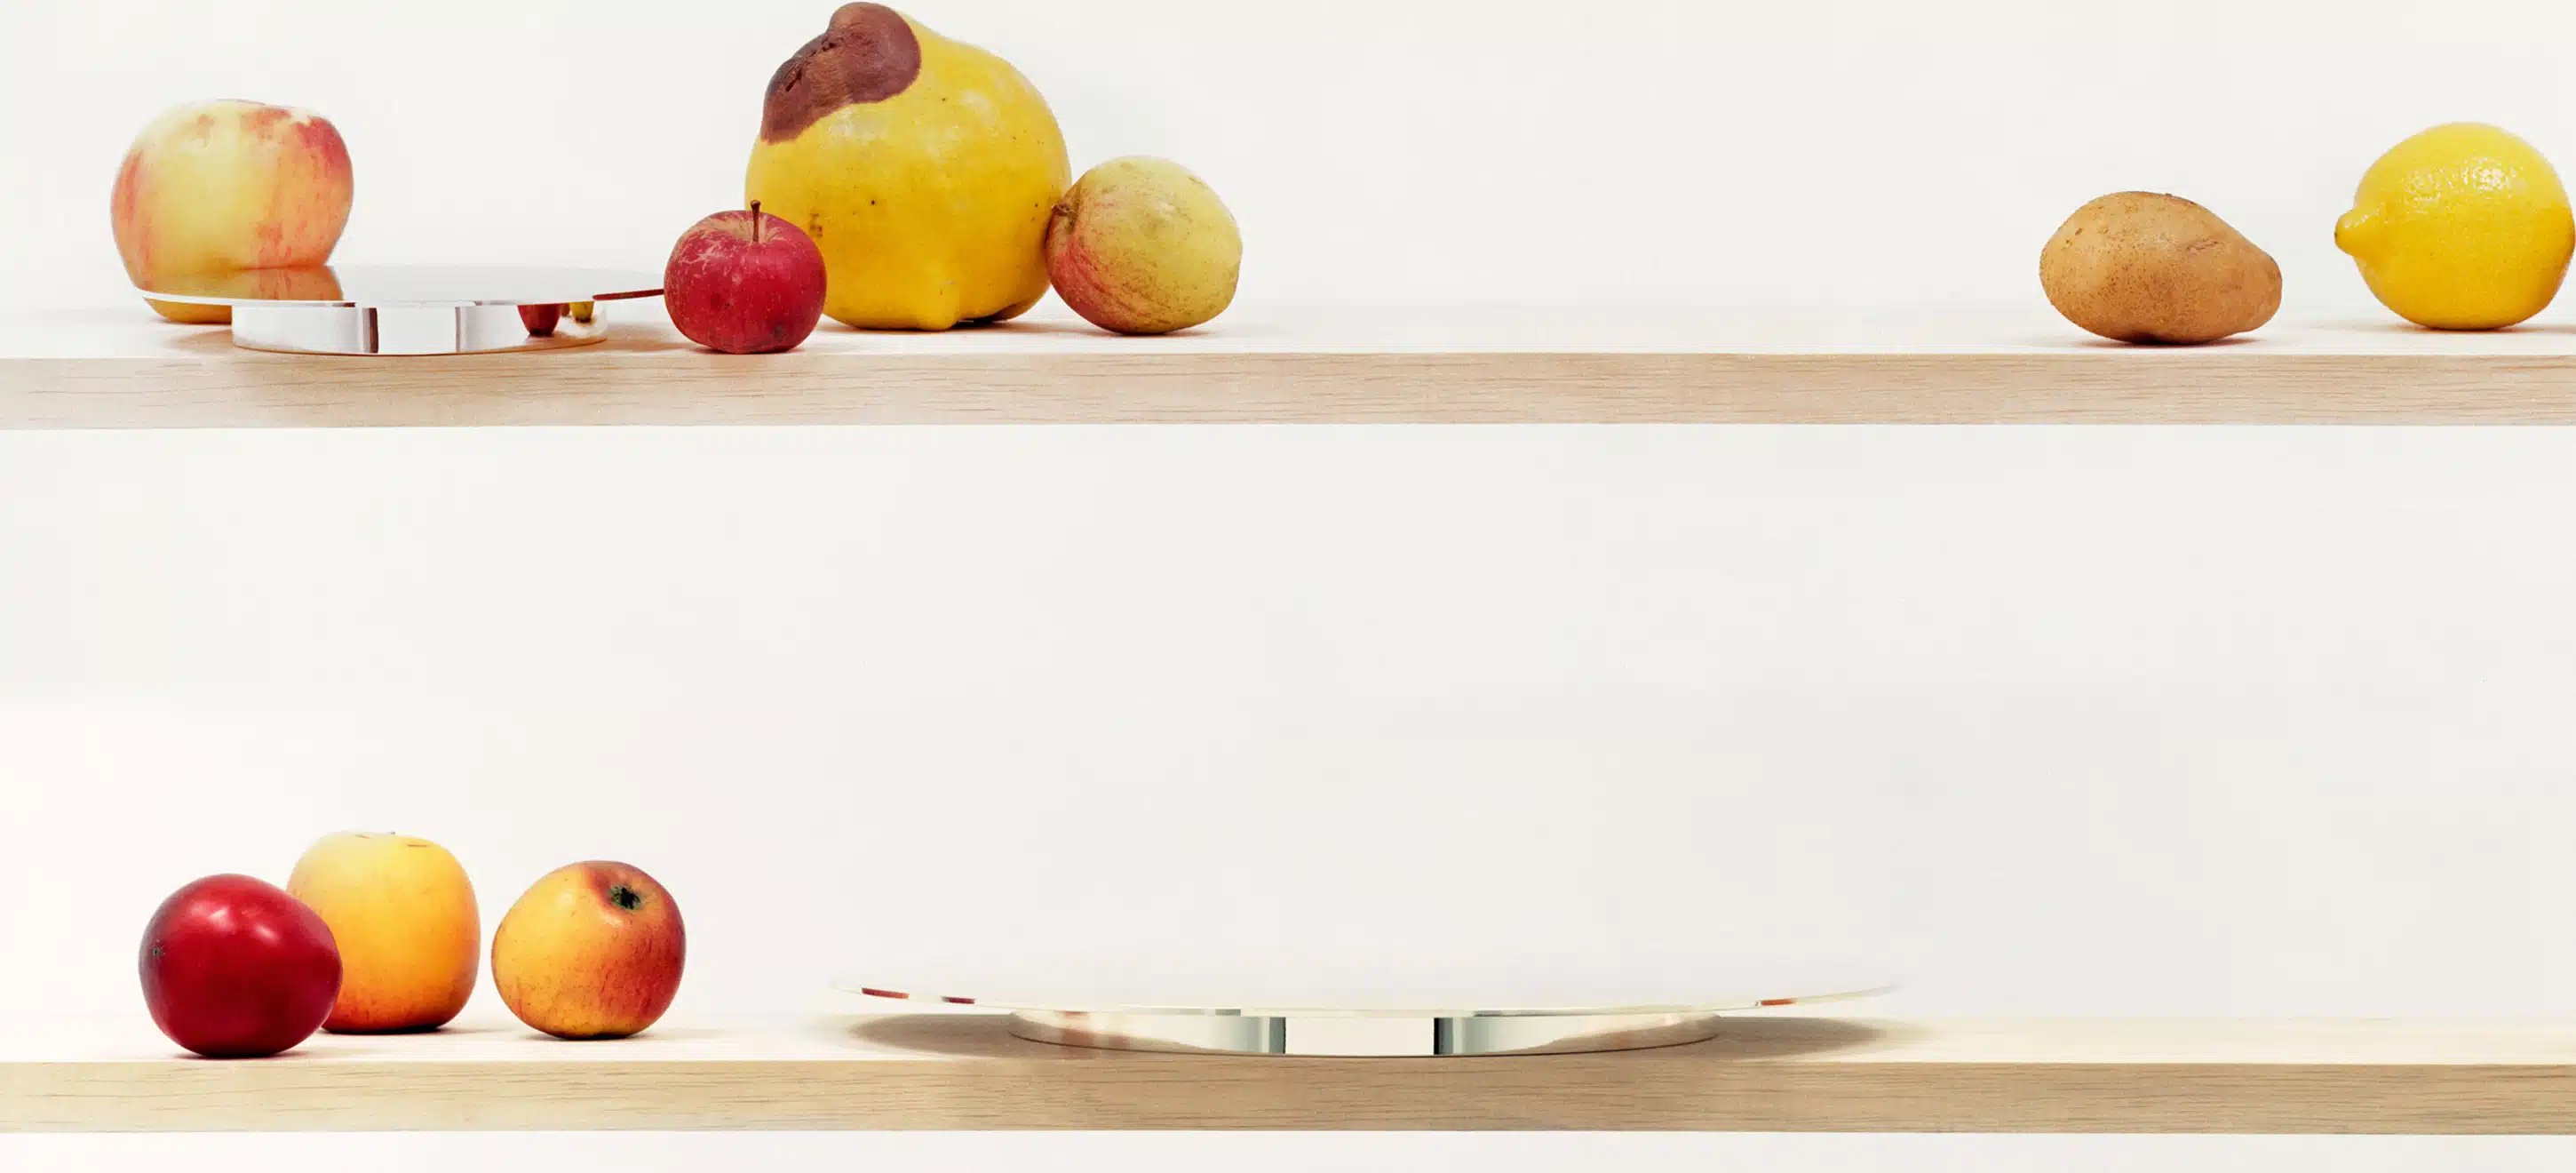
x: 403, y: 913
x: 229, y: 185
x: 591, y: 951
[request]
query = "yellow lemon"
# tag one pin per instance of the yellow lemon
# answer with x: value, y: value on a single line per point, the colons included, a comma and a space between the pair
x: 2462, y: 227
x: 925, y: 170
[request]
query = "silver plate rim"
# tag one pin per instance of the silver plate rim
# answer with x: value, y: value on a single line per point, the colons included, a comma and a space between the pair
x: 1289, y: 1010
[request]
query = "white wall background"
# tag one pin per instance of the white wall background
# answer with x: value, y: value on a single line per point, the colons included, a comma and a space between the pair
x: 2134, y: 721
x: 1629, y: 152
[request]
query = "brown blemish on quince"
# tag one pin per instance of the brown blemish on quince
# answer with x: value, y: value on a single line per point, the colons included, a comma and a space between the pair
x: 869, y: 54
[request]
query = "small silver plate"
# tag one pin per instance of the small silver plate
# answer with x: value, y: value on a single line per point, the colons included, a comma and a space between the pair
x: 410, y: 309
x: 1589, y: 1010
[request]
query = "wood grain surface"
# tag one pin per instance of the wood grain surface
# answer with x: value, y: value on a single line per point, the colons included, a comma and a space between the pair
x: 963, y: 1071
x: 118, y: 368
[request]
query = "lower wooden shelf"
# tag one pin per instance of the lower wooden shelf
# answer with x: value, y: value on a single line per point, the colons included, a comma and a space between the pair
x: 963, y: 1071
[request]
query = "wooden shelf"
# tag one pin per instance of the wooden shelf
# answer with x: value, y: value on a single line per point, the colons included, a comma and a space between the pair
x: 120, y: 368
x: 962, y: 1071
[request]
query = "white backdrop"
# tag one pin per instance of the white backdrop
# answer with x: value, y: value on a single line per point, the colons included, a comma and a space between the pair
x: 1621, y: 152
x: 2118, y: 721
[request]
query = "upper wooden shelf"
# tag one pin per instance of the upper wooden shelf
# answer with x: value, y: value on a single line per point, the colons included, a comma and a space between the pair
x: 936, y: 1071
x: 121, y: 368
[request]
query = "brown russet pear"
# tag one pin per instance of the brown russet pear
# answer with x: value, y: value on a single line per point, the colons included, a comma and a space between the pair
x: 2136, y: 266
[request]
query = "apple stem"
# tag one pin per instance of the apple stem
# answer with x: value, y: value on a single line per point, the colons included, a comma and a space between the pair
x: 755, y: 221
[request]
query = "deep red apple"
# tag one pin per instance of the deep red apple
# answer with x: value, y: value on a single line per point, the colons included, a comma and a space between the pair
x: 233, y: 967
x: 744, y: 283
x: 540, y: 319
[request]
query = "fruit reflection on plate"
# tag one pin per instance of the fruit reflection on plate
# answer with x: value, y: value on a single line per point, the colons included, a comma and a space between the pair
x: 307, y: 283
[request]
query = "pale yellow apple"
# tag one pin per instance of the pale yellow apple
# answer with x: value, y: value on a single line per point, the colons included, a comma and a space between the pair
x: 217, y: 186
x: 1141, y: 246
x: 404, y: 916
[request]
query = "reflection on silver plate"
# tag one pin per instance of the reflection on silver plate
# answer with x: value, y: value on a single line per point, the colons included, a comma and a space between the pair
x: 1257, y: 1017
x: 409, y: 309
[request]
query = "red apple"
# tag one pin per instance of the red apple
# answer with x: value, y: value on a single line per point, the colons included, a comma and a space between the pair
x: 744, y: 283
x: 540, y: 319
x: 233, y: 968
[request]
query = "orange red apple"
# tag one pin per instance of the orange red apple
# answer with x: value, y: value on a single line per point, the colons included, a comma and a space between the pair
x: 229, y: 185
x: 591, y: 951
x: 403, y: 914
